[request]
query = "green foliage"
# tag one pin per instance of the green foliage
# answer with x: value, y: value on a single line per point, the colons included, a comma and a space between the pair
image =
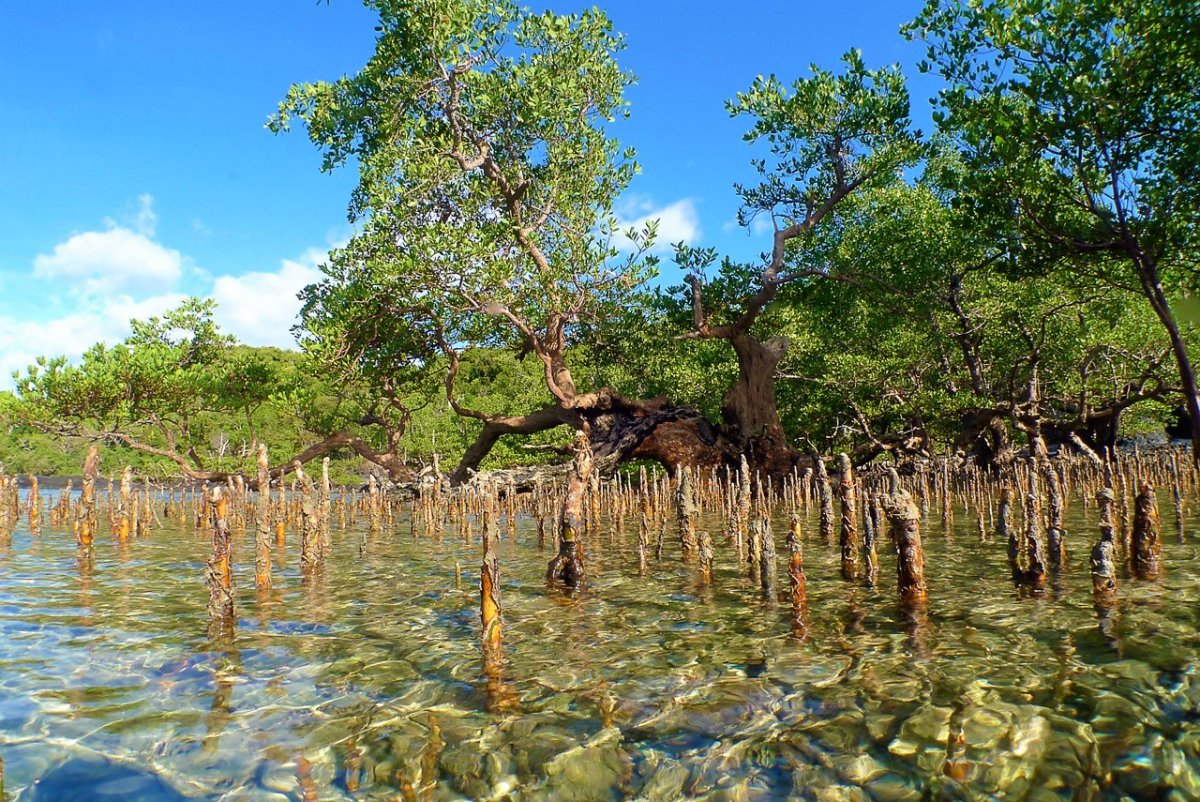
x: 486, y: 184
x: 886, y: 340
x: 484, y: 280
x: 638, y: 349
x: 170, y: 366
x: 494, y: 383
x: 242, y: 396
x: 176, y: 381
x: 1077, y: 117
x: 828, y: 135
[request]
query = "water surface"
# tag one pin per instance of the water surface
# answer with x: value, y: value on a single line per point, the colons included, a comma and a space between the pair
x: 365, y: 681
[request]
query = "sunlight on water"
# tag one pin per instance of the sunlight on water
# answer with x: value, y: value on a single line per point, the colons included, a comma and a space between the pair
x: 365, y: 681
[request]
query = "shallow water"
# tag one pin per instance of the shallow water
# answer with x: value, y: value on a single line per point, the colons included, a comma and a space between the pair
x: 365, y: 682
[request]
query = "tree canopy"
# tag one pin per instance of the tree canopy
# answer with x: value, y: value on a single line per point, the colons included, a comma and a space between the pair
x: 487, y: 177
x: 1079, y: 127
x: 916, y: 293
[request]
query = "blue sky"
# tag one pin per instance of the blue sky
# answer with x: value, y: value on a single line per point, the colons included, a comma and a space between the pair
x: 136, y: 168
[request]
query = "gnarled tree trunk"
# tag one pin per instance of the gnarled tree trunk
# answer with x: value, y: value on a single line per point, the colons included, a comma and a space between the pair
x: 1147, y: 272
x: 619, y: 429
x: 750, y: 415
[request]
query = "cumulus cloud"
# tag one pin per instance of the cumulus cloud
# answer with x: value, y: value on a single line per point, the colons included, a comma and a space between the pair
x: 123, y: 309
x: 106, y: 278
x: 119, y: 258
x: 260, y: 308
x: 22, y: 341
x: 677, y: 222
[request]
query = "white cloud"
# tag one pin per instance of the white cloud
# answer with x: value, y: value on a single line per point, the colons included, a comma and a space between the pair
x: 22, y: 341
x: 106, y: 262
x: 123, y: 309
x: 261, y: 308
x: 677, y: 222
x: 107, y: 278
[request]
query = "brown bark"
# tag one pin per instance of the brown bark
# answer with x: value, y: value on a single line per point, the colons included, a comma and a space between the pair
x: 647, y: 520
x: 905, y: 518
x: 35, y: 502
x: 796, y: 580
x: 1104, y: 555
x: 619, y: 429
x: 705, y: 553
x: 826, y: 498
x: 742, y: 504
x: 983, y: 434
x: 1085, y: 449
x: 1146, y: 548
x: 219, y: 569
x: 967, y: 334
x: 901, y: 445
x: 489, y: 588
x: 1004, y: 530
x: 544, y: 419
x: 849, y: 540
x: 127, y: 510
x: 870, y: 538
x: 1056, y: 535
x: 262, y: 520
x: 1029, y: 567
x: 1177, y: 498
x: 310, y: 538
x: 749, y: 412
x: 1090, y: 427
x: 567, y: 566
x: 691, y: 440
x: 750, y: 416
x: 754, y: 546
x: 766, y: 565
x: 685, y: 500
x: 85, y: 523
x: 388, y: 460
x: 1147, y: 272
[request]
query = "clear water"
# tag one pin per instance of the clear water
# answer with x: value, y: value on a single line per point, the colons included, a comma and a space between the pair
x: 366, y: 682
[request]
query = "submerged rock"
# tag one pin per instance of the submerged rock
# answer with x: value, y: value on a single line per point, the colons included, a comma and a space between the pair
x: 94, y: 779
x: 595, y: 770
x: 665, y: 778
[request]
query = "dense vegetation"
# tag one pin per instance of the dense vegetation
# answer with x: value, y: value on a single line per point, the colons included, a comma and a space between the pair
x: 1010, y: 279
x: 221, y: 401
